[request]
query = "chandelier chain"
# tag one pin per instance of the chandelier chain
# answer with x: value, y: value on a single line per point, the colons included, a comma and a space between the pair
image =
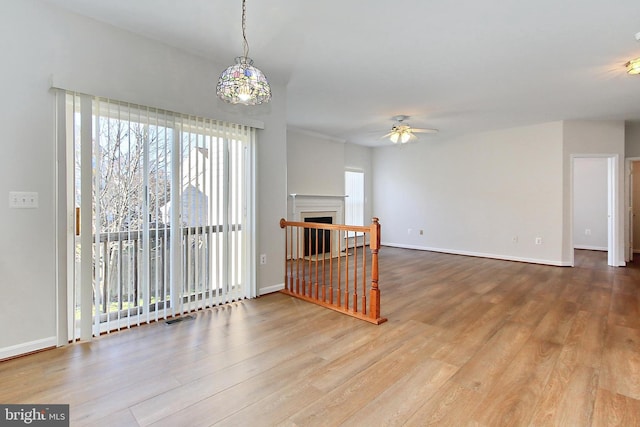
x: 244, y: 28
x: 242, y: 83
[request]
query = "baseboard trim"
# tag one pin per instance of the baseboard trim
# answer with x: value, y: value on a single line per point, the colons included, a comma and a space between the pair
x: 270, y: 289
x: 27, y: 347
x: 480, y: 254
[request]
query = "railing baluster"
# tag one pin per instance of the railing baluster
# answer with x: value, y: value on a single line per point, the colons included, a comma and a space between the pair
x: 135, y: 274
x: 324, y: 257
x: 303, y: 262
x: 339, y: 291
x: 309, y: 281
x: 331, y: 265
x: 120, y: 276
x: 316, y: 264
x: 293, y: 256
x: 297, y: 255
x: 165, y: 293
x: 105, y: 275
x: 364, y: 275
x: 290, y: 260
x: 346, y: 272
x: 355, y: 273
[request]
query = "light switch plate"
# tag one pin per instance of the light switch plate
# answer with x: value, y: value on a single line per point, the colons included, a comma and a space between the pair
x: 23, y: 200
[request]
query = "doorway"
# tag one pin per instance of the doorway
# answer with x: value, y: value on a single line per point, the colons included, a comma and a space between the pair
x: 633, y: 208
x: 594, y: 205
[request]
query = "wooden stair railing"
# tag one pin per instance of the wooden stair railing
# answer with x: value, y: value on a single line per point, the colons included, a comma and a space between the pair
x: 327, y: 264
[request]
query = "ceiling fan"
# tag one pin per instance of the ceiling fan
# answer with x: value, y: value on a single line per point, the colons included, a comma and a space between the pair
x: 403, y: 133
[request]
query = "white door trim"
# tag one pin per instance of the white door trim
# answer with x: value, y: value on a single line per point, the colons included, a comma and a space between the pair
x: 613, y: 220
x: 628, y: 220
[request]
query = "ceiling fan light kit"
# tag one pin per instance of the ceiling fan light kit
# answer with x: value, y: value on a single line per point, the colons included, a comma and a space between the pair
x: 633, y: 66
x: 403, y: 133
x: 400, y: 134
x: 242, y: 83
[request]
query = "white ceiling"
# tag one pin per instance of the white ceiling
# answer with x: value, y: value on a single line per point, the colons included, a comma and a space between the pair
x: 459, y: 66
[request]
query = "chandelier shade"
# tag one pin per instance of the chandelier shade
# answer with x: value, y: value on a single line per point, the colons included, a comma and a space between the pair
x: 242, y: 83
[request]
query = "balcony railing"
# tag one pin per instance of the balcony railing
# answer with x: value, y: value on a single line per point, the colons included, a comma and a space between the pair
x: 121, y: 264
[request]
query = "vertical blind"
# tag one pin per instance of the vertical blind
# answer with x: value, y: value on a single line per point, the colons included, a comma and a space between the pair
x: 165, y: 208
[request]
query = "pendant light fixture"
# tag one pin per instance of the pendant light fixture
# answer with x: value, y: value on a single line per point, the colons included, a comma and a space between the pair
x: 242, y: 83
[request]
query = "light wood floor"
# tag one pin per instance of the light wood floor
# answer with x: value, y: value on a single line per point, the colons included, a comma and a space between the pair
x: 469, y: 341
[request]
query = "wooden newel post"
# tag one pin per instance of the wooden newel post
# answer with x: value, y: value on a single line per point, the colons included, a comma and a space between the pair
x: 374, y: 294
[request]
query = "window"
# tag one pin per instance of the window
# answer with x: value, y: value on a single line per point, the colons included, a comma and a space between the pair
x: 354, y: 203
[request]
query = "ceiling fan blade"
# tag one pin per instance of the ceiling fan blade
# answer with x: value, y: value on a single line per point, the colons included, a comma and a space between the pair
x: 427, y: 130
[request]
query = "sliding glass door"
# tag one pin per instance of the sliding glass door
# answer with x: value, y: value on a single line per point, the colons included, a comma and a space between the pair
x: 163, y: 205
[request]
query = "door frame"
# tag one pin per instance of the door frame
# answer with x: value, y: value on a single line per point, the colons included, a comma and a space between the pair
x: 66, y: 216
x: 613, y: 223
x: 628, y: 222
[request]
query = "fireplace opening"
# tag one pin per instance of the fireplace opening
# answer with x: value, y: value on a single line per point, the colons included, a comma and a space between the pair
x: 323, y: 237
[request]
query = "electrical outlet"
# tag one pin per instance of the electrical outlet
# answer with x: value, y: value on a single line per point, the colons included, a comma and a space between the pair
x: 421, y: 232
x: 538, y: 240
x: 263, y: 259
x: 408, y: 231
x: 515, y: 239
x: 587, y: 232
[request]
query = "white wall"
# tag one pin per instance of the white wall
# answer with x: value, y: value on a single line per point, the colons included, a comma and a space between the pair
x: 593, y: 138
x: 590, y: 203
x: 475, y: 194
x: 40, y: 42
x: 316, y: 165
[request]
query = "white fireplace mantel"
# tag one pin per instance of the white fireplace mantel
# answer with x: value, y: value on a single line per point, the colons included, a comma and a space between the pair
x: 314, y: 205
x: 303, y: 205
x: 339, y: 196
